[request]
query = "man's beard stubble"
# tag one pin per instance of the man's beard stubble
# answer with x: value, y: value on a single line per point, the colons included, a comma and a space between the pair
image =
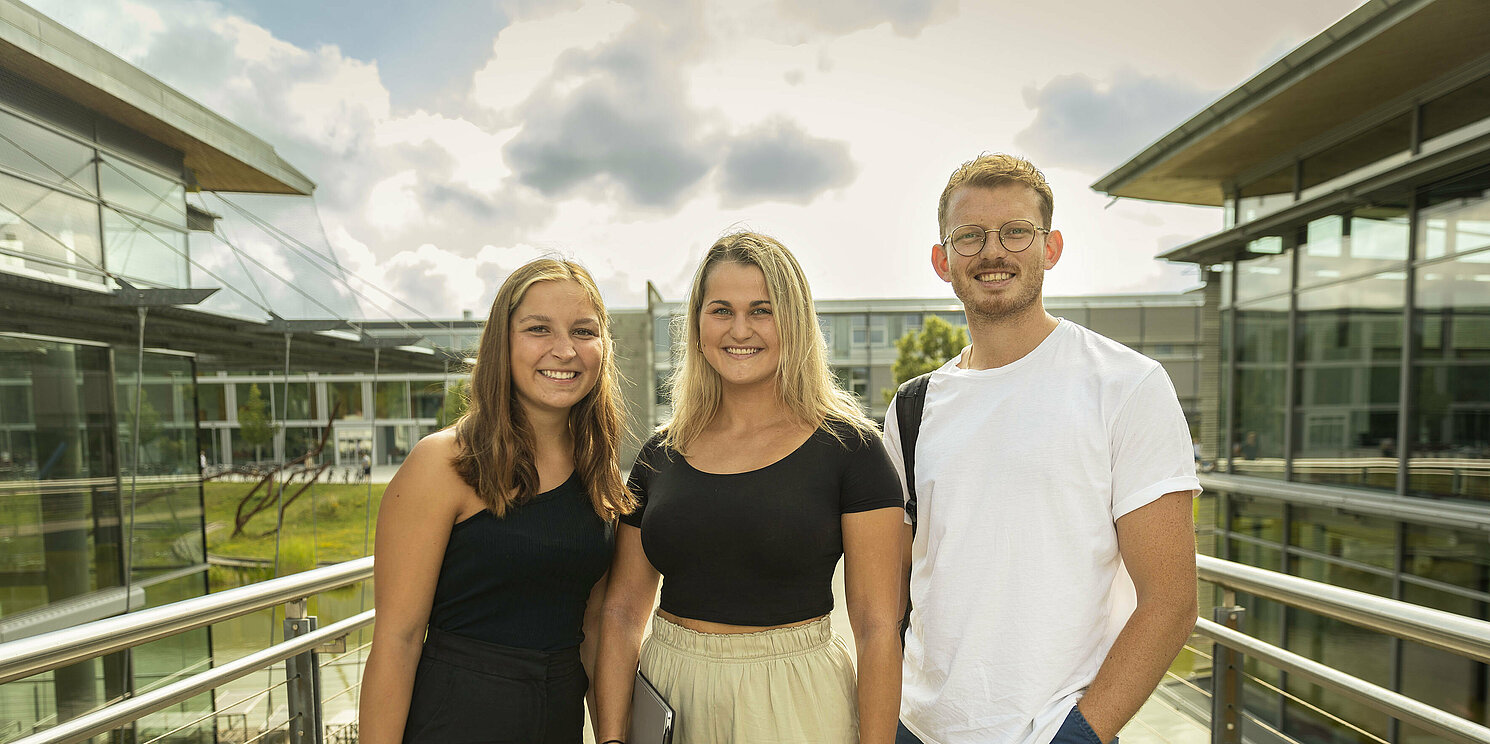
x: 1029, y: 283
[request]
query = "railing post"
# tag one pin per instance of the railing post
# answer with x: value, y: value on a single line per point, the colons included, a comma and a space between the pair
x: 303, y: 680
x: 1226, y: 681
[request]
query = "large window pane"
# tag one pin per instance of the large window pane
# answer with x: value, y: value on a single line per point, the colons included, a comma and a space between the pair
x: 1456, y: 218
x: 1261, y: 378
x: 45, y: 155
x: 1451, y: 451
x: 48, y: 231
x: 142, y: 191
x: 59, y: 517
x: 1349, y: 378
x: 1267, y: 194
x: 393, y: 400
x: 1370, y: 239
x: 1264, y: 269
x: 143, y: 250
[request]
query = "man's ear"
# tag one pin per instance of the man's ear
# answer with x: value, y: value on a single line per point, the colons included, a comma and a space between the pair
x: 939, y: 262
x: 1054, y: 244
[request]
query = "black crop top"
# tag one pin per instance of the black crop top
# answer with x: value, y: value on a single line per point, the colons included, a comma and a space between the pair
x: 523, y: 580
x: 756, y: 548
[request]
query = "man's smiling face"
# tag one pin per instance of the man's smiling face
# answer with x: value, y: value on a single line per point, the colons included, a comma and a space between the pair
x: 997, y: 284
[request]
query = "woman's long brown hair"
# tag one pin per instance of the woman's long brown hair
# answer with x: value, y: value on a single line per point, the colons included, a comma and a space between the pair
x: 495, y: 447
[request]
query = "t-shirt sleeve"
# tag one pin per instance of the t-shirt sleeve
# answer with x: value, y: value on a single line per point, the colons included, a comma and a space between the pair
x: 641, y: 480
x: 869, y: 479
x: 891, y: 440
x: 1151, y: 452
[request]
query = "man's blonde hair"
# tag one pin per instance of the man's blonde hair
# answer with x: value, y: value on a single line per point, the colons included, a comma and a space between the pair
x: 989, y: 171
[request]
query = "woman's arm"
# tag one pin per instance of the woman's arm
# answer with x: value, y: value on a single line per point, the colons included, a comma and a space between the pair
x: 589, y: 647
x: 872, y: 576
x: 419, y: 507
x: 629, y: 599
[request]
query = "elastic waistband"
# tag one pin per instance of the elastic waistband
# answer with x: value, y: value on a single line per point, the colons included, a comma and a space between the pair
x: 481, y: 656
x: 762, y: 645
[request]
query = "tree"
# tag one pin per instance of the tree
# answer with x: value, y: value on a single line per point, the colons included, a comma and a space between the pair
x: 254, y: 424
x: 923, y: 352
x: 457, y: 399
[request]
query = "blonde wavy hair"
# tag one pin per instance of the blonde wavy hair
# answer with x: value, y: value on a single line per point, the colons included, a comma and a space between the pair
x: 495, y: 450
x: 804, y: 382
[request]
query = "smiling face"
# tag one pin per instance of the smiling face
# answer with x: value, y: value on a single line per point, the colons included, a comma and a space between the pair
x: 736, y: 328
x: 997, y: 285
x: 556, y: 344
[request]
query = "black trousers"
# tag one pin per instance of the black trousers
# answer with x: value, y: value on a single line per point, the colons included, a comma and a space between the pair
x: 471, y: 692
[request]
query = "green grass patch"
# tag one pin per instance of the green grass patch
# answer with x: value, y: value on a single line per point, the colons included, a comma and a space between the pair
x: 328, y: 523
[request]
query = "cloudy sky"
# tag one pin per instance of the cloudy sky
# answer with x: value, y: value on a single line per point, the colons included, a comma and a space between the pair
x: 453, y: 141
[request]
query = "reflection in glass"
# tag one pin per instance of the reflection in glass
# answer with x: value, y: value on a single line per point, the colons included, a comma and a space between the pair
x: 1264, y: 270
x: 1261, y: 377
x: 45, y: 155
x: 1456, y: 219
x: 1267, y: 194
x: 1451, y: 447
x: 1345, y: 647
x: 48, y: 231
x: 59, y: 517
x: 1376, y: 239
x: 145, y: 251
x: 1349, y: 378
x: 139, y: 190
x: 1453, y: 558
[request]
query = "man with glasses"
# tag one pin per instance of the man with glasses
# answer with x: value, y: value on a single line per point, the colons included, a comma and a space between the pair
x: 1052, y: 571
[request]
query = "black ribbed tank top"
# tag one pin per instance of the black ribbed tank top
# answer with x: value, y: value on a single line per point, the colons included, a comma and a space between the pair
x: 523, y: 580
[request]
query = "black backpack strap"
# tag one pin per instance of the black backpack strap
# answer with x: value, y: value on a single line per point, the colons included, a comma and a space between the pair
x: 910, y: 400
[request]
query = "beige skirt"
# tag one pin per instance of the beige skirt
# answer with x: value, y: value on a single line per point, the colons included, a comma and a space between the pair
x: 783, y: 686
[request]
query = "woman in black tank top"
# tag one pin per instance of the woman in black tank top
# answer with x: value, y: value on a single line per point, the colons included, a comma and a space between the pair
x: 495, y: 536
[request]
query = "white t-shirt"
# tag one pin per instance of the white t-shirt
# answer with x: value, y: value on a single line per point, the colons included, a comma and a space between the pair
x: 1021, y: 474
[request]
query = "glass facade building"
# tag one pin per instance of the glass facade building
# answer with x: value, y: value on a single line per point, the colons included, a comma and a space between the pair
x: 1349, y: 361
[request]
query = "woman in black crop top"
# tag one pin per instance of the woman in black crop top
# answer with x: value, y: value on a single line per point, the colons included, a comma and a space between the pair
x: 766, y: 474
x: 495, y: 536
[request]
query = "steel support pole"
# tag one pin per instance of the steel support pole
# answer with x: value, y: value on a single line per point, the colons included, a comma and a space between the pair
x: 303, y: 680
x: 1226, y: 683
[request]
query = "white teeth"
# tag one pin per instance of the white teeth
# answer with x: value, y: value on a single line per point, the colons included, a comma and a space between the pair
x: 739, y: 350
x: 996, y: 276
x: 556, y: 375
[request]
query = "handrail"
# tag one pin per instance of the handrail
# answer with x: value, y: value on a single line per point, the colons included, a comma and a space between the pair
x: 111, y: 717
x: 1397, y: 705
x: 37, y: 654
x: 1465, y: 636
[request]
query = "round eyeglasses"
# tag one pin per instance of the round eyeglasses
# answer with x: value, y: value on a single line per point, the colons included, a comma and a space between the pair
x: 1014, y: 236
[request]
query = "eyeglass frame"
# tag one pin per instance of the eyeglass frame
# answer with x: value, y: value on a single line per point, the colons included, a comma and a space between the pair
x: 947, y: 240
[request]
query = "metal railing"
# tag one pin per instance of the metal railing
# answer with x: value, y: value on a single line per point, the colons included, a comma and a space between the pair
x: 1460, y: 635
x: 1464, y: 636
x: 49, y: 651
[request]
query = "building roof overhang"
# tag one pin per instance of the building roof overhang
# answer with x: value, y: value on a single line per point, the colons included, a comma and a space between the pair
x: 1383, y: 51
x: 221, y: 155
x: 43, y: 307
x: 1395, y: 185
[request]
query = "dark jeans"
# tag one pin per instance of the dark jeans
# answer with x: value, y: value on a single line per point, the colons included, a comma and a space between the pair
x: 470, y: 692
x: 1074, y: 730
